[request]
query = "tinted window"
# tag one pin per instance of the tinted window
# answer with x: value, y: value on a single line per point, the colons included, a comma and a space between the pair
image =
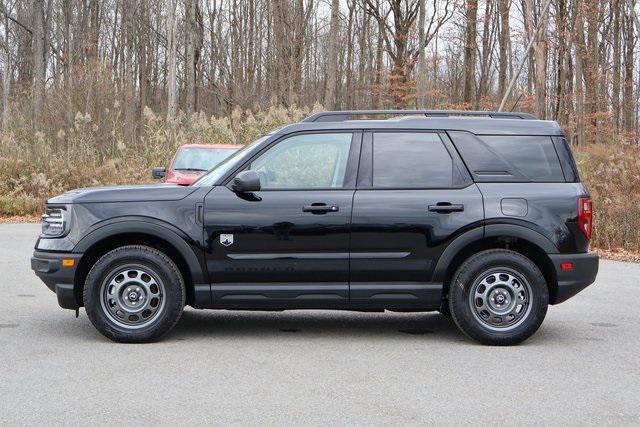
x: 533, y: 156
x: 305, y: 161
x: 410, y: 160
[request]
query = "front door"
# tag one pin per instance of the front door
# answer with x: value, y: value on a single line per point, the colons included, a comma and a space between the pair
x: 286, y: 245
x: 413, y: 198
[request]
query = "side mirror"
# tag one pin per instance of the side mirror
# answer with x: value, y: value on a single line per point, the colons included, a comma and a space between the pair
x: 246, y: 182
x: 158, y: 173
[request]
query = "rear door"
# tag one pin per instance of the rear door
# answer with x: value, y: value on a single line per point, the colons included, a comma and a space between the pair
x: 413, y: 197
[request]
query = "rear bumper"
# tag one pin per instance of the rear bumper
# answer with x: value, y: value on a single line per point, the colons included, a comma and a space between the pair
x: 570, y: 282
x: 48, y: 267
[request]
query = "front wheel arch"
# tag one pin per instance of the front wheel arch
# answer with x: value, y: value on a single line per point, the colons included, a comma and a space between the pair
x: 95, y: 246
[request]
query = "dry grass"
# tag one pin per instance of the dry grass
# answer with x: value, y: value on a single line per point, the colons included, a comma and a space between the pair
x: 611, y: 172
x: 35, y: 166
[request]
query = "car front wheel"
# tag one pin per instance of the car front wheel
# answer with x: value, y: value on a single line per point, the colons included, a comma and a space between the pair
x: 498, y: 297
x: 134, y: 294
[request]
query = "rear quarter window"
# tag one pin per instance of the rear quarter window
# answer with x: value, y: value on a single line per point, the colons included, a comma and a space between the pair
x: 509, y: 158
x: 533, y: 156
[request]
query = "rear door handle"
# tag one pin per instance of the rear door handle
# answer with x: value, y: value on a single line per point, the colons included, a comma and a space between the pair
x: 320, y: 208
x: 446, y: 207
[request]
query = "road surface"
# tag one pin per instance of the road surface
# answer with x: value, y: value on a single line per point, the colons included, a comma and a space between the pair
x: 316, y: 367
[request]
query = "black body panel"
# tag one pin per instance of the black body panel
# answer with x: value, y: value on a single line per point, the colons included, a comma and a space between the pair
x: 551, y: 210
x: 395, y: 238
x: 301, y: 254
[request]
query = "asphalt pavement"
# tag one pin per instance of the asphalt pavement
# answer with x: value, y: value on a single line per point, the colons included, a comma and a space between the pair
x: 316, y: 367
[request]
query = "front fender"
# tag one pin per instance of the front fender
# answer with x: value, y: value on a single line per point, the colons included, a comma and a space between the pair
x: 188, y: 247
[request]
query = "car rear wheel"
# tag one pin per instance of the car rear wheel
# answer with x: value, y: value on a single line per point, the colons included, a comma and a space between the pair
x: 134, y: 294
x: 498, y: 297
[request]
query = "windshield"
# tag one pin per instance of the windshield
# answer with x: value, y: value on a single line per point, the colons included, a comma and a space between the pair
x: 200, y: 159
x: 229, y: 163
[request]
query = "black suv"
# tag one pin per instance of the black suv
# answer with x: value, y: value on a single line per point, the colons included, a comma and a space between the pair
x: 480, y: 215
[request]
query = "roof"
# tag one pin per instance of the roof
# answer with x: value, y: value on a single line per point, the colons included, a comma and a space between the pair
x: 478, y: 126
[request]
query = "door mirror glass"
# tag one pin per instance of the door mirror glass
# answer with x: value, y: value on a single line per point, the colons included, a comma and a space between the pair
x: 158, y: 173
x: 246, y: 182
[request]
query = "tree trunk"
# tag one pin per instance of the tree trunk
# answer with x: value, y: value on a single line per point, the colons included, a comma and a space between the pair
x: 470, y: 51
x: 483, y: 89
x: 615, y: 78
x: 332, y: 57
x: 39, y: 69
x: 539, y: 56
x: 6, y: 77
x: 503, y: 42
x: 68, y: 60
x: 627, y: 95
x: 189, y: 57
x: 172, y: 53
x: 129, y: 76
x: 378, y: 67
x: 422, y: 60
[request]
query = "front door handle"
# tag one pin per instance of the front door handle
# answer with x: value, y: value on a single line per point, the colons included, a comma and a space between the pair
x: 446, y: 207
x: 320, y: 208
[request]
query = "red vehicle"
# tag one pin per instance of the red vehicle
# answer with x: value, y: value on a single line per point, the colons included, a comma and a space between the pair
x: 191, y: 161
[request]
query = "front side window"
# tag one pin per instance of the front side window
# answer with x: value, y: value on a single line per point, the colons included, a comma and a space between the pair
x: 410, y: 160
x: 305, y: 162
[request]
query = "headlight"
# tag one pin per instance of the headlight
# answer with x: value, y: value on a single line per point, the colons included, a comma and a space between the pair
x: 54, y: 221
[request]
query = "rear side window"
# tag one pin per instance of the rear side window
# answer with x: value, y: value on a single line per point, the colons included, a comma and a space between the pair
x: 533, y: 156
x: 508, y: 158
x: 410, y: 160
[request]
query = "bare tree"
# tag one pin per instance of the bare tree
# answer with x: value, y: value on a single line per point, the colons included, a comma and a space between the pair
x: 105, y: 57
x: 6, y: 72
x: 503, y: 43
x: 190, y: 55
x: 38, y: 89
x: 172, y: 53
x: 332, y: 56
x: 470, y: 48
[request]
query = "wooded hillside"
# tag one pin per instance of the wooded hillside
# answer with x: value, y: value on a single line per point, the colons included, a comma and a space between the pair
x: 61, y: 57
x: 97, y: 92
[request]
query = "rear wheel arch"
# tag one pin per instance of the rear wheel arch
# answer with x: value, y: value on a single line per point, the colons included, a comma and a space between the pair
x: 104, y: 239
x: 474, y: 241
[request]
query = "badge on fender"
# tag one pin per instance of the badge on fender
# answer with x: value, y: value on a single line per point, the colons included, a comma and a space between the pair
x: 226, y: 239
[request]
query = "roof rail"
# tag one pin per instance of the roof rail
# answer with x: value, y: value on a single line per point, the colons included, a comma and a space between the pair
x: 341, y: 116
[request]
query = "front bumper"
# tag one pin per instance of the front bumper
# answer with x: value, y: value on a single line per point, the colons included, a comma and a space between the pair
x: 48, y: 267
x: 570, y: 282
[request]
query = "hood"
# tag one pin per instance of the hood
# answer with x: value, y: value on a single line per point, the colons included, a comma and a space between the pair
x: 182, y: 177
x: 124, y: 193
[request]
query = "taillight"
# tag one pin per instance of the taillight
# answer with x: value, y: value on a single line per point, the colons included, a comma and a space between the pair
x: 585, y: 215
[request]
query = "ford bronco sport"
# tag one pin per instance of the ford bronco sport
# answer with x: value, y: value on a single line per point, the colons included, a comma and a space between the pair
x: 478, y: 214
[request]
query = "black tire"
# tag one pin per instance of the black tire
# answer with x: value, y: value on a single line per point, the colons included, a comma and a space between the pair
x: 476, y: 316
x: 133, y: 265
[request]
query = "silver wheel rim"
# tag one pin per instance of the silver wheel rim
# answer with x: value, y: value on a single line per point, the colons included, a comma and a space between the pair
x: 501, y: 299
x: 132, y: 296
